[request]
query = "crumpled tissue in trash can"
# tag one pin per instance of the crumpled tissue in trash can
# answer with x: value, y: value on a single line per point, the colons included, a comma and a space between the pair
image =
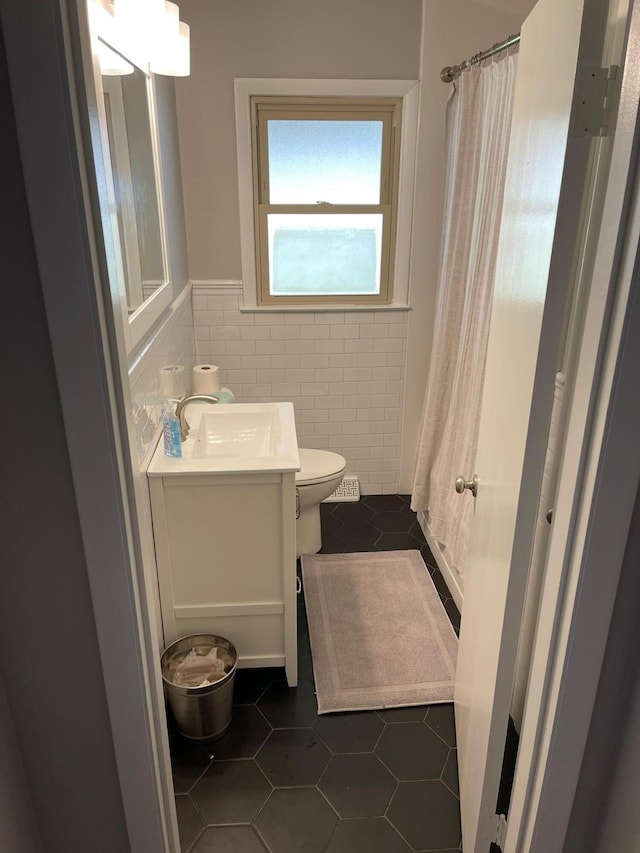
x: 195, y: 669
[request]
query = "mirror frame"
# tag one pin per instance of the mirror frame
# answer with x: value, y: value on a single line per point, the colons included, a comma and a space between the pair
x: 137, y: 324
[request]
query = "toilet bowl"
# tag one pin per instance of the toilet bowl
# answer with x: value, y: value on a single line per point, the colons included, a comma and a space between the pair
x: 320, y: 474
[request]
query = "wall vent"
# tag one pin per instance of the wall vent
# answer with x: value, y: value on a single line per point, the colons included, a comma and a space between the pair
x: 348, y: 490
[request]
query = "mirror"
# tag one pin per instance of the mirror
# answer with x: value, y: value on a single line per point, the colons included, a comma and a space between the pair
x: 134, y: 184
x: 129, y: 180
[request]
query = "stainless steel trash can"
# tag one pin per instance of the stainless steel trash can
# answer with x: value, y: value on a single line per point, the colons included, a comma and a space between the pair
x: 201, y: 713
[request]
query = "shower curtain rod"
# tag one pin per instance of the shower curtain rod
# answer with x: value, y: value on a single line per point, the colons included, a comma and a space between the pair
x: 450, y: 72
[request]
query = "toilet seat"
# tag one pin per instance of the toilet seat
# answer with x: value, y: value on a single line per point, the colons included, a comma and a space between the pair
x: 316, y: 466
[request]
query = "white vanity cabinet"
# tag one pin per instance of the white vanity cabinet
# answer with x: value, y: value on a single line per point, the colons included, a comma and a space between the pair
x: 226, y: 557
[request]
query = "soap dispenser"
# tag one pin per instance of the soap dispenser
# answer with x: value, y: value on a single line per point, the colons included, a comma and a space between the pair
x: 171, y: 430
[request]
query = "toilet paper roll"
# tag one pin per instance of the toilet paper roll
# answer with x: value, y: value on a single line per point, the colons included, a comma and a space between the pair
x: 205, y: 379
x: 172, y: 380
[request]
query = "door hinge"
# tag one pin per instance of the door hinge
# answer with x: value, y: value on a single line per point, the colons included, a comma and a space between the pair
x: 499, y: 830
x: 596, y: 101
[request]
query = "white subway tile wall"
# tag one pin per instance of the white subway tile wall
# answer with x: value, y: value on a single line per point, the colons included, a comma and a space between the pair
x: 343, y: 372
x: 172, y: 343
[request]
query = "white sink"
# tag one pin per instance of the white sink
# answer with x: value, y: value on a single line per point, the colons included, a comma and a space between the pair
x: 252, y: 432
x: 234, y: 438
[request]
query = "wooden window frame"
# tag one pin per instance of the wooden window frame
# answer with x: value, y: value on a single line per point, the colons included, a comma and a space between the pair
x: 385, y: 109
x: 409, y: 91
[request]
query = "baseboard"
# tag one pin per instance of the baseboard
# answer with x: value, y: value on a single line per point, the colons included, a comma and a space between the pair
x: 246, y: 662
x: 447, y: 572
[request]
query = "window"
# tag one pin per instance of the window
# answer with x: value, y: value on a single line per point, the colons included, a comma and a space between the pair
x: 325, y: 180
x: 325, y: 207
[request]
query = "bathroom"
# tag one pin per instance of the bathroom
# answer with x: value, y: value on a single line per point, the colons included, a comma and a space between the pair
x: 204, y: 246
x: 362, y: 367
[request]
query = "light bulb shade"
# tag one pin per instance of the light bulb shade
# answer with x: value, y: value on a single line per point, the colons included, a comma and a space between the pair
x: 170, y: 19
x: 142, y: 16
x: 137, y: 23
x: 183, y: 63
x: 171, y: 54
x: 111, y: 63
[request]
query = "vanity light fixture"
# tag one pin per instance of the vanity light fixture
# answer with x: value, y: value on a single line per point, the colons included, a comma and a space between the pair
x: 155, y: 29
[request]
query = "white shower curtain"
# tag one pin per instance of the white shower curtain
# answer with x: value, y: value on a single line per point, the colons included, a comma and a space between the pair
x: 478, y: 125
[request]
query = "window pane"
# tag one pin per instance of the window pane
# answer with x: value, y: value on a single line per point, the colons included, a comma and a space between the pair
x: 334, y: 161
x: 321, y: 254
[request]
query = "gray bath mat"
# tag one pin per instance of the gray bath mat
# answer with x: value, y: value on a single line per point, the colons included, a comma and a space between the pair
x: 380, y: 637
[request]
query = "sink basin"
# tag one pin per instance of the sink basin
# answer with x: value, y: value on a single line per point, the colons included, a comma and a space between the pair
x: 233, y: 439
x: 252, y: 432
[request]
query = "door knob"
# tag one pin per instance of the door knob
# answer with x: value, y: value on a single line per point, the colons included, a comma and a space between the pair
x: 472, y: 485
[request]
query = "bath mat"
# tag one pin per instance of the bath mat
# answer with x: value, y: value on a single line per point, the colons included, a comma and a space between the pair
x: 380, y: 637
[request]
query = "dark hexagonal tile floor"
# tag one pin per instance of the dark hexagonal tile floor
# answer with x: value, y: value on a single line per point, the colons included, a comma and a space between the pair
x: 190, y: 824
x: 366, y: 836
x: 426, y: 814
x: 453, y: 613
x: 250, y: 684
x: 403, y: 715
x: 287, y: 707
x: 229, y: 839
x: 440, y: 585
x: 293, y: 757
x: 230, y: 792
x: 412, y: 751
x: 355, y: 536
x: 285, y: 780
x: 427, y: 556
x: 357, y: 731
x: 188, y: 763
x: 246, y: 734
x: 357, y: 785
x: 296, y: 821
x: 390, y: 503
x: 440, y: 719
x: 389, y: 522
x: 349, y: 513
x: 332, y: 543
x: 398, y: 542
x: 450, y: 773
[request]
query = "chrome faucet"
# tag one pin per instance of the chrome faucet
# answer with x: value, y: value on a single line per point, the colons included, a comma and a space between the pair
x: 194, y: 398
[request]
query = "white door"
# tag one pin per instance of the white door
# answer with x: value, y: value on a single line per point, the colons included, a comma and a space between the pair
x: 545, y: 179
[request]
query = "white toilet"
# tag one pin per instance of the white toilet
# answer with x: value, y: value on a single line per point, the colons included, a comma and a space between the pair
x: 320, y: 474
